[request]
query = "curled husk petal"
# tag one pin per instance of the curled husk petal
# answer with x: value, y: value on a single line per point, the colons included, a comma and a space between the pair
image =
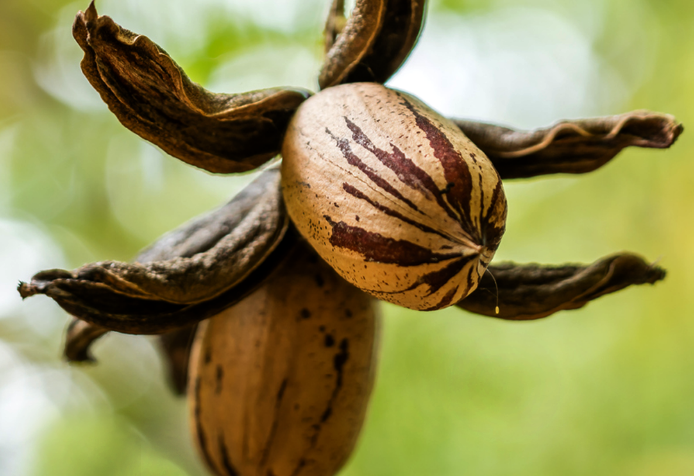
x: 533, y: 291
x: 150, y: 95
x: 177, y: 345
x: 373, y: 44
x: 190, y: 274
x: 571, y: 147
x: 79, y: 337
x: 334, y: 24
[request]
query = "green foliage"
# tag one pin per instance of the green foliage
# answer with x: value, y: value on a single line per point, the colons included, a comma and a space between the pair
x: 113, y: 449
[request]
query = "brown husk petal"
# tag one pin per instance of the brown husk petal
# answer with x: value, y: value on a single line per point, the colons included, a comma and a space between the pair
x: 79, y: 337
x: 152, y: 96
x: 334, y: 24
x: 374, y: 43
x: 190, y: 274
x: 177, y: 346
x: 571, y: 147
x: 532, y: 291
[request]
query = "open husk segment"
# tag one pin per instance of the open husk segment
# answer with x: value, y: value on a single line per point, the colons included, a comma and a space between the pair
x: 373, y: 43
x: 571, y: 147
x: 533, y: 291
x: 152, y: 96
x: 188, y: 275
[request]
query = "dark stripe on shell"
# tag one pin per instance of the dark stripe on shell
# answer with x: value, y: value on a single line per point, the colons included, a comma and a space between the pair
x: 202, y: 439
x: 358, y: 194
x: 493, y: 231
x: 482, y: 214
x: 226, y: 461
x: 437, y: 279
x: 406, y: 170
x: 472, y: 282
x: 378, y: 248
x: 299, y: 467
x: 275, y: 422
x: 455, y: 169
x: 446, y: 301
x: 352, y: 159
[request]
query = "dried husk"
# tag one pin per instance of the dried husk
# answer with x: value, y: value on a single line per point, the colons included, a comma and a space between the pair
x: 177, y: 346
x: 79, y: 337
x: 373, y: 43
x: 533, y: 291
x: 570, y: 147
x: 188, y: 275
x: 151, y: 95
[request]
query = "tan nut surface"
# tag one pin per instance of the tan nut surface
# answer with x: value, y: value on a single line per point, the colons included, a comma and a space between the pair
x: 280, y: 382
x: 392, y: 195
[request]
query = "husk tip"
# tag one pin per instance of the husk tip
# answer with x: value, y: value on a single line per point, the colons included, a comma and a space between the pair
x: 655, y: 273
x: 677, y: 130
x: 82, y: 358
x: 26, y: 289
x: 90, y: 14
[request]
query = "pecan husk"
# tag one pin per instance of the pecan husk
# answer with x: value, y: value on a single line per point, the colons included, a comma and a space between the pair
x: 570, y: 147
x: 152, y: 96
x: 177, y: 346
x: 188, y: 275
x: 79, y: 337
x: 373, y: 43
x: 533, y: 291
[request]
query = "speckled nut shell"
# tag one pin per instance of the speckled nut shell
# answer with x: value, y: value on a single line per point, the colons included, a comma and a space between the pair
x: 392, y: 195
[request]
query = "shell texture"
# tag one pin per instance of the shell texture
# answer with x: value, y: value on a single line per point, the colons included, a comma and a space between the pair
x: 392, y: 195
x: 281, y: 381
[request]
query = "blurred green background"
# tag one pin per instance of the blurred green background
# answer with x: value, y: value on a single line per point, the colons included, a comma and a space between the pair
x: 605, y: 390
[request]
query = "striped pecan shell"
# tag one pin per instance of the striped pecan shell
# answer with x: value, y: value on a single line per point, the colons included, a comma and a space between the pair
x: 280, y: 382
x: 392, y: 195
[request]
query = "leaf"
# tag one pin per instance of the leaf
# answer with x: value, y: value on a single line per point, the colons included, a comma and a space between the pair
x: 374, y: 43
x: 533, y: 291
x: 150, y: 95
x: 188, y: 275
x: 571, y: 147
